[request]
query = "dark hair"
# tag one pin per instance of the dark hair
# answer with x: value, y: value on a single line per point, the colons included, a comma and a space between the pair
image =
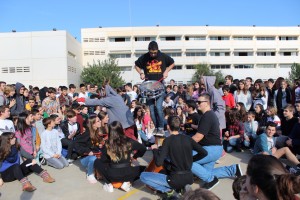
x: 47, y: 121
x: 271, y: 80
x: 72, y: 86
x: 34, y: 111
x: 229, y: 77
x: 95, y: 135
x: 70, y: 114
x: 242, y: 111
x: 5, y: 146
x: 249, y: 78
x: 129, y: 85
x: 153, y: 45
x: 206, y: 96
x: 237, y: 186
x: 174, y: 123
x: 118, y: 146
x: 200, y: 194
x: 191, y: 104
x: 51, y: 90
x: 272, y: 124
x: 82, y: 85
x: 21, y: 123
x: 271, y: 177
x: 226, y: 88
x: 101, y: 116
x: 135, y: 115
x: 63, y: 88
x: 3, y: 108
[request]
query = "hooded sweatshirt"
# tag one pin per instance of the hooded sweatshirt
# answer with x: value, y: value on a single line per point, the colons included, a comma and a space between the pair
x: 19, y: 107
x: 115, y: 106
x: 217, y: 103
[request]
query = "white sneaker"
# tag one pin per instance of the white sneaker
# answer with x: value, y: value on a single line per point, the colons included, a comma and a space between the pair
x: 70, y: 161
x: 108, y: 187
x: 91, y: 178
x: 126, y: 186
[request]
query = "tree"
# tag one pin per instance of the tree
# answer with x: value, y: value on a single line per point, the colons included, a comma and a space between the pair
x: 295, y: 72
x: 101, y: 71
x: 205, y: 70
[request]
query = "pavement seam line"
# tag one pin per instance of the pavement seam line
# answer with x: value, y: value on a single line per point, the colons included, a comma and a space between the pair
x: 128, y: 194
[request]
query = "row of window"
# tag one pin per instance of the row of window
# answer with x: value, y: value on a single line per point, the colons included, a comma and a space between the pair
x: 6, y: 70
x: 178, y: 38
x: 72, y: 69
x: 225, y: 66
x: 194, y: 54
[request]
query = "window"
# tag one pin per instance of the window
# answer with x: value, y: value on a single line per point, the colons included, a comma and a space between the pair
x: 219, y: 53
x: 285, y: 65
x: 99, y: 53
x: 127, y: 55
x: 265, y: 53
x: 243, y: 53
x: 242, y: 38
x: 170, y: 38
x: 288, y: 53
x: 102, y: 39
x: 125, y: 68
x: 266, y: 65
x: 190, y: 67
x: 175, y: 54
x: 195, y: 54
x: 120, y: 39
x: 220, y: 66
x: 288, y: 38
x: 265, y: 38
x: 85, y: 39
x: 195, y: 38
x: 243, y: 66
x: 6, y: 70
x: 138, y: 39
x: 71, y: 69
x: 177, y: 67
x: 219, y: 37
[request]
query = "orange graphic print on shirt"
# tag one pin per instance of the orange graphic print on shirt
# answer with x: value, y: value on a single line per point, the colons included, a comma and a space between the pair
x: 154, y: 66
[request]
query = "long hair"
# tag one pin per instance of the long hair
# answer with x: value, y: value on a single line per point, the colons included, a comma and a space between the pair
x: 243, y: 111
x: 95, y: 135
x: 271, y: 177
x: 135, y: 113
x: 21, y: 123
x: 118, y: 146
x: 245, y: 89
x: 104, y: 127
x: 5, y: 146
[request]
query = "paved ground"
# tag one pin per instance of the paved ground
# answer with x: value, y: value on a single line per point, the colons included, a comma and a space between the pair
x: 71, y: 184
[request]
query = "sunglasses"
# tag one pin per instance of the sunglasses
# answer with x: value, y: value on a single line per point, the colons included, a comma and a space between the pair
x: 199, y: 102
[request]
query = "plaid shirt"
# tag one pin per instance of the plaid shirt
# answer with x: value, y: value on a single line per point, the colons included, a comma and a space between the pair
x: 237, y: 128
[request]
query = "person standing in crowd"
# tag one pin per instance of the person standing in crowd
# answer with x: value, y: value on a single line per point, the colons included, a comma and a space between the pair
x: 8, y: 98
x: 208, y: 136
x: 249, y: 85
x: 132, y: 94
x: 229, y: 82
x: 71, y: 94
x: 50, y: 104
x: 116, y: 109
x: 155, y: 65
x: 259, y: 95
x: 282, y: 97
x: 242, y: 94
x: 20, y: 100
x: 64, y: 98
x: 271, y: 91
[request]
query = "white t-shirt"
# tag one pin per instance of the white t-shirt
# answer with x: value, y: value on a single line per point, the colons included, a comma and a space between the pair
x: 133, y: 95
x: 6, y: 126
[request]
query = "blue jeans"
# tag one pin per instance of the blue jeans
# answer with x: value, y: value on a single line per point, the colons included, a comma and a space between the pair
x: 88, y: 163
x: 233, y: 142
x: 204, y: 168
x: 156, y: 181
x: 157, y: 114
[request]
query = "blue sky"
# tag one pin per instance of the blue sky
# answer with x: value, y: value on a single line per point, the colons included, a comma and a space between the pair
x: 41, y: 15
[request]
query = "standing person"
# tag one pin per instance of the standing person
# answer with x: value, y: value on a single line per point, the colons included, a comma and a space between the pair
x: 72, y: 89
x: 51, y: 145
x: 155, y: 65
x: 242, y: 94
x: 20, y: 100
x: 115, y: 162
x: 282, y: 97
x: 50, y: 104
x: 10, y: 167
x: 132, y: 94
x: 179, y: 149
x: 2, y: 97
x: 116, y: 110
x: 8, y: 98
x: 271, y: 91
x: 208, y: 136
x: 228, y: 97
x: 64, y: 98
x: 229, y: 82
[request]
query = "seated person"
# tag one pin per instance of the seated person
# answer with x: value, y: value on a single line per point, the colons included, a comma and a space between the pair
x: 178, y: 148
x: 250, y: 129
x: 265, y: 144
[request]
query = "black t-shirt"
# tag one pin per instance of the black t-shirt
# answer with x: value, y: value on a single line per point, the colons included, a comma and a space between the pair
x: 209, y: 126
x: 287, y: 125
x: 192, y: 119
x: 154, y: 67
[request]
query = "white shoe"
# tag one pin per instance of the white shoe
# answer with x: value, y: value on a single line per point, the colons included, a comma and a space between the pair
x: 126, y: 186
x: 91, y: 178
x: 108, y: 187
x: 70, y: 161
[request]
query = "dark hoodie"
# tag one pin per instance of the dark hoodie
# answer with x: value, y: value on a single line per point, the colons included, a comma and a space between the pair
x: 217, y: 103
x: 20, y: 101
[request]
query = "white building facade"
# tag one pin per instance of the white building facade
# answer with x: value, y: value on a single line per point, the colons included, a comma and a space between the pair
x: 46, y: 58
x: 257, y: 52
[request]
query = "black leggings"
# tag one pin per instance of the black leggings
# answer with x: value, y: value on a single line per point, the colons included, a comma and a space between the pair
x: 69, y: 144
x: 18, y: 171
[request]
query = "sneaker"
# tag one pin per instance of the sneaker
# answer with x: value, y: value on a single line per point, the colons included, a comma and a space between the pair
x: 70, y: 161
x: 108, y: 187
x: 160, y: 132
x: 212, y: 184
x: 126, y: 186
x: 91, y: 178
x: 239, y: 171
